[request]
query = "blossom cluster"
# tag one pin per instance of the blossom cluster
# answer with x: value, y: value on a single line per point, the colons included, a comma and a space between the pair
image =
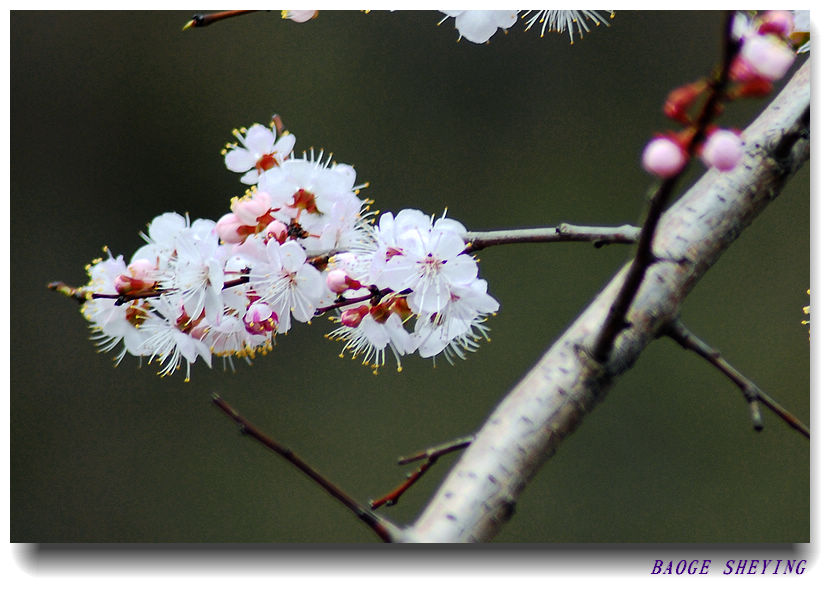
x: 299, y: 243
x: 765, y: 54
x: 479, y: 26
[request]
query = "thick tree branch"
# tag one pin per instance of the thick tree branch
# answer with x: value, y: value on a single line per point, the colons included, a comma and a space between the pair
x: 480, y: 492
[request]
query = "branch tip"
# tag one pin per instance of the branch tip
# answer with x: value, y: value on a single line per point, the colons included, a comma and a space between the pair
x: 680, y: 333
x: 381, y: 527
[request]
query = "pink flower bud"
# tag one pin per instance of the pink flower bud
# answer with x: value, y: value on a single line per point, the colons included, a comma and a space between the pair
x: 123, y: 284
x: 137, y: 279
x: 767, y: 55
x: 722, y: 150
x: 248, y: 210
x: 227, y: 228
x: 337, y: 281
x: 353, y: 317
x: 276, y: 230
x: 663, y: 157
x: 141, y: 268
x: 778, y: 22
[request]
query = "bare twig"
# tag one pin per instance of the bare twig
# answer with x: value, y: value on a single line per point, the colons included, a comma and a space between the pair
x: 753, y: 394
x: 204, y: 20
x: 383, y: 528
x: 81, y: 294
x: 430, y: 456
x: 563, y: 233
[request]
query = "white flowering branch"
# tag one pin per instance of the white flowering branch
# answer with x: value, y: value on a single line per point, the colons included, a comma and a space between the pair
x: 480, y: 492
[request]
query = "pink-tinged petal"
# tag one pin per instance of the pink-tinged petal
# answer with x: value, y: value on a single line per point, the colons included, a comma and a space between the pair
x: 767, y: 55
x: 227, y: 228
x: 248, y: 210
x: 141, y: 268
x: 276, y: 230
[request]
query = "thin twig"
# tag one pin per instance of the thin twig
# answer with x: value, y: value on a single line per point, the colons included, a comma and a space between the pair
x: 597, y: 235
x: 430, y: 456
x: 383, y: 528
x: 204, y: 20
x: 82, y: 295
x: 615, y: 321
x: 690, y: 341
x: 374, y: 295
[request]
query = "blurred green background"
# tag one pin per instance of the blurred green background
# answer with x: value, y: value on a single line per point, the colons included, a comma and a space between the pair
x: 119, y: 116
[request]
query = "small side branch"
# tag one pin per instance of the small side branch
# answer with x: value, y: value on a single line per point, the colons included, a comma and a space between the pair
x: 430, y: 456
x: 597, y: 235
x: 204, y: 20
x: 753, y: 395
x: 383, y: 529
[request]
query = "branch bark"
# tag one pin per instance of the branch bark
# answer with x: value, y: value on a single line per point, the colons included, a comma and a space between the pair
x: 480, y: 492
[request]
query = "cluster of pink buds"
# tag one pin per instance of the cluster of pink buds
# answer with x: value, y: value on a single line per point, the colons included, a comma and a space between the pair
x: 298, y: 244
x: 765, y: 53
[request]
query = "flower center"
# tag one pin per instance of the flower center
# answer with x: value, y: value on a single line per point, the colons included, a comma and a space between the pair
x: 266, y: 162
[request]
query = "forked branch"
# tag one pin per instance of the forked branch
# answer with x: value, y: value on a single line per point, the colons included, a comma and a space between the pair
x: 429, y: 457
x: 753, y: 394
